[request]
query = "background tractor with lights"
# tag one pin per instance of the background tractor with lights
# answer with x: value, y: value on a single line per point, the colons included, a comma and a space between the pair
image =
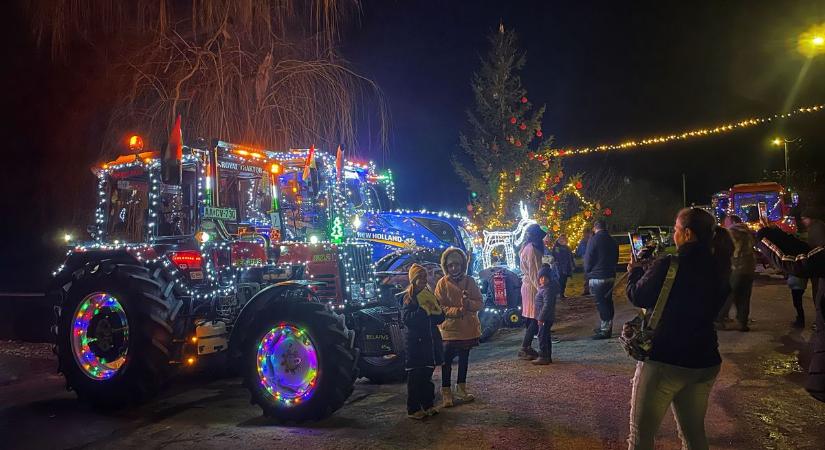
x: 216, y: 250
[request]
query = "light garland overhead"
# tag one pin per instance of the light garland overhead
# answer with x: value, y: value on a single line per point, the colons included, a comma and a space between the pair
x: 719, y: 129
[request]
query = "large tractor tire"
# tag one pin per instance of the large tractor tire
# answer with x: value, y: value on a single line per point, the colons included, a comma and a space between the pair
x: 299, y: 362
x: 491, y: 320
x: 382, y: 369
x: 114, y: 333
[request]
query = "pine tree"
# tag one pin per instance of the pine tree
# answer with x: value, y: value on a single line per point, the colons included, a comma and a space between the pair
x: 502, y: 133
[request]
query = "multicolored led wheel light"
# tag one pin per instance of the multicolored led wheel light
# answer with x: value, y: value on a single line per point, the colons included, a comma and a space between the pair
x: 100, y: 326
x: 288, y: 364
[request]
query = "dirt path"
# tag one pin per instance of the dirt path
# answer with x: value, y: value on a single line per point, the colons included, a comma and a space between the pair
x: 581, y: 401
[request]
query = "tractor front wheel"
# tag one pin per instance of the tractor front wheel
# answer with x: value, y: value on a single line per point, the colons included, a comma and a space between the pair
x: 299, y: 362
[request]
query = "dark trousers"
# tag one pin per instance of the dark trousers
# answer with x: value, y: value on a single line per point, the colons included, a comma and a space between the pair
x: 531, y: 328
x: 420, y: 389
x: 563, y: 283
x: 450, y: 353
x: 602, y: 290
x: 741, y: 286
x: 797, y: 294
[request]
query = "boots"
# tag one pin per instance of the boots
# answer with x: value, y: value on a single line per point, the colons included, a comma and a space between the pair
x: 446, y: 397
x: 527, y: 354
x: 543, y: 361
x: 461, y: 393
x: 799, y: 323
x: 605, y: 330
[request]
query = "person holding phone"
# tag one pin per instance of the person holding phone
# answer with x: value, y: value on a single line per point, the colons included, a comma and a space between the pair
x: 743, y: 274
x: 684, y: 359
x: 460, y: 300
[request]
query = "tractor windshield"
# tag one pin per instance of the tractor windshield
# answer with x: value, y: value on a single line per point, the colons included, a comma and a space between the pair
x: 249, y: 195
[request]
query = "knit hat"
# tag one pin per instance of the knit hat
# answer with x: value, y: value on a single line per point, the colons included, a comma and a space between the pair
x: 416, y: 270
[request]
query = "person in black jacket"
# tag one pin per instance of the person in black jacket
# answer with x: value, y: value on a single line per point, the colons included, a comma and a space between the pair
x: 421, y: 315
x: 797, y: 258
x: 684, y: 360
x: 600, y: 260
x: 565, y: 264
x: 545, y: 303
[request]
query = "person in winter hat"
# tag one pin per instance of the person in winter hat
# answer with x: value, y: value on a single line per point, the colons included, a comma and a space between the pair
x: 742, y: 276
x: 460, y: 299
x: 530, y: 261
x: 545, y: 304
x: 421, y: 315
x: 565, y: 264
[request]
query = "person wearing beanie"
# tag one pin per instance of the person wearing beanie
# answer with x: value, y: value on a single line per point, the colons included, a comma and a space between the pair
x: 545, y: 304
x: 530, y: 261
x: 460, y: 299
x: 421, y: 315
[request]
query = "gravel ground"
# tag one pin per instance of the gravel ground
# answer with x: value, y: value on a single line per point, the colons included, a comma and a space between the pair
x: 580, y: 401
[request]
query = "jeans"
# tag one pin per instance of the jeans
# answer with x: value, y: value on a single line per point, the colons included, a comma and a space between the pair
x: 450, y: 353
x: 741, y: 286
x: 602, y: 290
x: 531, y: 329
x: 658, y: 385
x: 420, y: 389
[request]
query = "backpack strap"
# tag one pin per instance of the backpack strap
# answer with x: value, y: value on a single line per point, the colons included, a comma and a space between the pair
x: 661, y: 301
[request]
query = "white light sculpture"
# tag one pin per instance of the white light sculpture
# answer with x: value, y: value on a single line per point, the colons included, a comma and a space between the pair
x: 507, y: 240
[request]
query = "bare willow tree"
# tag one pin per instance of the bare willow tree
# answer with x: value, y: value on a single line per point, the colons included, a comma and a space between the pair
x: 259, y: 72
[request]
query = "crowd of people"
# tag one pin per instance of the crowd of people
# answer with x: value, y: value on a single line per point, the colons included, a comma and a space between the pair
x: 693, y: 291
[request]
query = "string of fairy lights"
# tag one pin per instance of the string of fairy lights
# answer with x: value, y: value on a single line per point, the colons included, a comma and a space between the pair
x: 681, y: 136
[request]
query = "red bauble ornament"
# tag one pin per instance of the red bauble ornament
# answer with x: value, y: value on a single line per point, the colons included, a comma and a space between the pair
x: 524, y: 99
x: 522, y: 127
x: 531, y: 155
x: 518, y: 143
x: 587, y: 214
x: 556, y: 197
x: 548, y: 196
x: 608, y: 211
x: 557, y: 179
x: 562, y: 152
x: 513, y: 120
x: 538, y: 133
x: 578, y: 185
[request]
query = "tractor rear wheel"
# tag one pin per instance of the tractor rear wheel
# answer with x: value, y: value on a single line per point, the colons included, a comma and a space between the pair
x: 491, y: 320
x: 114, y: 333
x: 299, y: 362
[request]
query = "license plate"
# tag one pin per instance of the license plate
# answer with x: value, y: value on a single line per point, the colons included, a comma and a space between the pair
x: 196, y: 275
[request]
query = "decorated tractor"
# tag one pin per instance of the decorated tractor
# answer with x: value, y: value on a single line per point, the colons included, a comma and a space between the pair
x: 220, y: 252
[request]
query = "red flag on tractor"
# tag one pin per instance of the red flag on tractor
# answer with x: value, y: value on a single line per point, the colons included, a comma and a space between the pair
x: 309, y: 163
x: 339, y: 163
x: 170, y: 162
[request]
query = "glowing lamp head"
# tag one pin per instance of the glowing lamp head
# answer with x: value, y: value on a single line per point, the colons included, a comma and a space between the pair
x: 135, y: 143
x: 818, y: 41
x: 67, y: 238
x: 313, y: 239
x: 202, y: 237
x: 276, y: 168
x: 777, y: 141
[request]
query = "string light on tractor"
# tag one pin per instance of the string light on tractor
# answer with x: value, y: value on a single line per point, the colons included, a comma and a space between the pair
x: 684, y: 135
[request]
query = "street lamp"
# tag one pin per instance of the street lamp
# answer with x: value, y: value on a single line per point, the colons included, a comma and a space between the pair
x: 784, y: 142
x: 812, y: 42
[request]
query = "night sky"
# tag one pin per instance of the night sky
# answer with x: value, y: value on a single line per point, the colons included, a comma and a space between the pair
x: 607, y: 72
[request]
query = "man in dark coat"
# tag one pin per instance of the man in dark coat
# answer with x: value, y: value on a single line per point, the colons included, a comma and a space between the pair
x: 797, y: 258
x: 600, y: 261
x: 815, y: 229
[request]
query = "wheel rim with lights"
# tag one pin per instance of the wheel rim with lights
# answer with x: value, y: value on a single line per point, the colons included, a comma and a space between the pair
x: 287, y: 364
x: 100, y: 336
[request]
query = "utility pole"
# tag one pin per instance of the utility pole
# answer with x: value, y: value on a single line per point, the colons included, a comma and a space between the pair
x: 684, y: 191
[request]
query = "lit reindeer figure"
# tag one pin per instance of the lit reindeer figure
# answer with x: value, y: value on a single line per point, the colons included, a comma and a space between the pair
x: 508, y: 240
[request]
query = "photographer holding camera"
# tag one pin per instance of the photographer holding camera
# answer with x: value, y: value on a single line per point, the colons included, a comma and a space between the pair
x: 684, y: 359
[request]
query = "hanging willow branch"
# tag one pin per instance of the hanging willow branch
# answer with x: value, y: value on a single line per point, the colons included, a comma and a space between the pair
x: 259, y: 72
